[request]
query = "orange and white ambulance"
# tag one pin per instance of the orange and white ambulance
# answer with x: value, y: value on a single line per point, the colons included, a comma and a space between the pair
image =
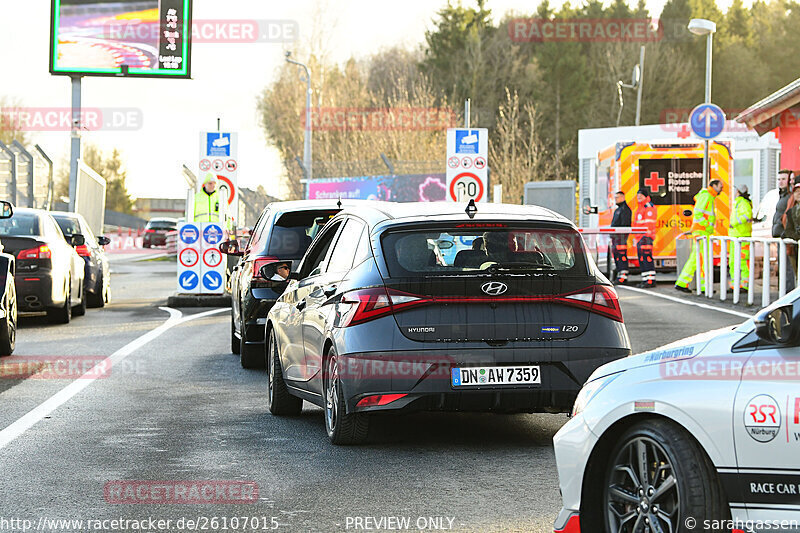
x: 672, y: 172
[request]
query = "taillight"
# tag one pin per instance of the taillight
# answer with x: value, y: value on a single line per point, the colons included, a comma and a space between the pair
x: 600, y: 299
x: 149, y: 231
x: 259, y: 262
x: 379, y: 399
x: 370, y: 304
x: 41, y: 252
x: 83, y: 250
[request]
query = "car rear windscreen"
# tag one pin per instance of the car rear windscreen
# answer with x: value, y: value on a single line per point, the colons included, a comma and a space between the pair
x: 69, y: 226
x: 161, y: 224
x: 456, y: 249
x: 293, y: 232
x: 21, y: 224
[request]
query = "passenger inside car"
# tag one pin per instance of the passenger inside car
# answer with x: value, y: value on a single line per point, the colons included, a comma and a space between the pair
x: 472, y: 258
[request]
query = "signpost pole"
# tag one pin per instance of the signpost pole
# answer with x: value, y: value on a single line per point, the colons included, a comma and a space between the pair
x: 706, y: 169
x: 75, y: 141
x: 466, y: 113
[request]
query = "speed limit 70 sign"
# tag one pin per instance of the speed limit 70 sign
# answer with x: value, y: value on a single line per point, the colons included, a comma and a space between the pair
x: 465, y: 187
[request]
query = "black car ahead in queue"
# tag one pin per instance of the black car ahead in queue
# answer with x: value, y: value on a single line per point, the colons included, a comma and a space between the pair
x: 155, y: 232
x: 97, y: 278
x: 420, y: 307
x: 49, y: 272
x: 8, y: 298
x: 283, y: 233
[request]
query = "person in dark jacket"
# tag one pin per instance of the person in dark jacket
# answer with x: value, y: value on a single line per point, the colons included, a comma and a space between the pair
x: 784, y: 190
x: 621, y: 219
x: 791, y: 221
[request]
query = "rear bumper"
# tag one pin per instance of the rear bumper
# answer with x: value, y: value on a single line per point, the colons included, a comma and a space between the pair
x: 154, y: 239
x: 567, y: 522
x: 425, y: 379
x: 34, y: 292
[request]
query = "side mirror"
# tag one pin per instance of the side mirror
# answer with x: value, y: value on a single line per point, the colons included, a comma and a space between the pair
x: 778, y: 325
x: 270, y: 272
x: 77, y: 239
x: 231, y: 248
x: 588, y: 208
x: 102, y: 240
x: 6, y: 209
x: 687, y: 212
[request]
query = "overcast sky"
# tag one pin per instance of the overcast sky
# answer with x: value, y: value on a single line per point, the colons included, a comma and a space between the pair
x: 226, y: 80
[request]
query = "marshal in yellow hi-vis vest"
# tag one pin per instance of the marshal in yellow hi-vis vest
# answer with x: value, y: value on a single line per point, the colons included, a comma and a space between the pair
x: 207, y: 206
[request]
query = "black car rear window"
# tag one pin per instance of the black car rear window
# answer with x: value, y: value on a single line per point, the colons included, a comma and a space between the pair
x: 161, y: 224
x: 455, y: 249
x: 22, y: 224
x: 293, y: 232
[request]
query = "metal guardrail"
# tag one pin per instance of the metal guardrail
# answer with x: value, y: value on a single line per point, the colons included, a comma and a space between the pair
x: 706, y: 247
x: 172, y: 242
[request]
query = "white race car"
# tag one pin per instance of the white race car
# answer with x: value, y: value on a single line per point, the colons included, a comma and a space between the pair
x: 701, y: 435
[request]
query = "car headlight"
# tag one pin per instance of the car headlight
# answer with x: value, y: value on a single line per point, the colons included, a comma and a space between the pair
x: 590, y: 390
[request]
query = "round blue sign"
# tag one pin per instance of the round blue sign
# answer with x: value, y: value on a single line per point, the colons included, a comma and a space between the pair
x: 188, y: 280
x: 707, y: 121
x: 189, y: 233
x: 212, y: 281
x: 212, y: 233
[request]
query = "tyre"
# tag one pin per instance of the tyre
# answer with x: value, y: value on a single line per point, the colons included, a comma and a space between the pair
x: 234, y: 339
x: 145, y: 245
x: 8, y: 325
x: 63, y: 314
x: 279, y: 401
x: 80, y: 309
x: 342, y: 427
x: 657, y: 477
x: 251, y: 356
x: 97, y: 298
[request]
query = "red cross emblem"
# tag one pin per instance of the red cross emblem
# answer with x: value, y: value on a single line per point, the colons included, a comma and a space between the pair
x: 654, y: 181
x: 684, y: 132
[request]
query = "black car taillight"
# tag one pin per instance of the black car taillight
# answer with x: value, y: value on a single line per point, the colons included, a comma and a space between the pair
x: 370, y: 304
x: 600, y: 299
x: 40, y: 252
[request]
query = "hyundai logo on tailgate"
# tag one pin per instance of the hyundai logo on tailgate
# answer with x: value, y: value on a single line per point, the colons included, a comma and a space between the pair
x: 494, y: 288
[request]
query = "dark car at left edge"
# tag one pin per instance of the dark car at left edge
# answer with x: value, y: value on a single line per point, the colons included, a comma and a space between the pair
x: 49, y: 272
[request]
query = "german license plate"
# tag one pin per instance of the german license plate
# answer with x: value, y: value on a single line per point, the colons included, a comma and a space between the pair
x: 491, y: 376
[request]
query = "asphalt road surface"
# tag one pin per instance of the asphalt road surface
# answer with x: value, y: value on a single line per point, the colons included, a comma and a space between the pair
x: 176, y: 410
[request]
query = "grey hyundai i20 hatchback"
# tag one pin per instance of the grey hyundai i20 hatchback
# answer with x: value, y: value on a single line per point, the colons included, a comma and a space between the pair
x: 428, y: 307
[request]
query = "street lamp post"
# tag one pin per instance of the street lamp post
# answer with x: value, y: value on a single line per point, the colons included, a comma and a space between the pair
x: 707, y: 28
x: 306, y: 77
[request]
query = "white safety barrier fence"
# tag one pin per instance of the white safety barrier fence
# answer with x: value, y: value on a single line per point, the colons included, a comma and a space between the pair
x: 706, y: 247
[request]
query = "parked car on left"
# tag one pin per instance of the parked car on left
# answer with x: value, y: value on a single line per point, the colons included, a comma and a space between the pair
x: 8, y: 299
x: 49, y: 272
x: 97, y: 278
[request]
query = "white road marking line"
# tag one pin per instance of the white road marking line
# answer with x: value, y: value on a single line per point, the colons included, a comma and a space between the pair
x: 682, y: 301
x: 44, y: 409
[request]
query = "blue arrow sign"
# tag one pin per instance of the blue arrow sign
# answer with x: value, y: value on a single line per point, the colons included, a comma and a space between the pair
x: 189, y: 233
x: 212, y: 280
x: 707, y: 121
x: 188, y: 280
x: 212, y: 233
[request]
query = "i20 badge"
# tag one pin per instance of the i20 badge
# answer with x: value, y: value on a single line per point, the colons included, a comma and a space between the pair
x: 762, y: 418
x: 494, y: 288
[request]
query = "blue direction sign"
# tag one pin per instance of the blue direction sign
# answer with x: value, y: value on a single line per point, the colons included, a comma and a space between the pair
x: 707, y: 121
x: 212, y: 280
x: 212, y: 233
x: 188, y: 280
x: 189, y: 233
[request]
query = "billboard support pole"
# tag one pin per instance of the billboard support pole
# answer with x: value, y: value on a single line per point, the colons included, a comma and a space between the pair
x: 75, y: 141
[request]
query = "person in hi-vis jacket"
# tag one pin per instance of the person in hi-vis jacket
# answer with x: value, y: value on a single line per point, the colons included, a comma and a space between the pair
x: 741, y: 226
x: 703, y: 222
x: 646, y: 216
